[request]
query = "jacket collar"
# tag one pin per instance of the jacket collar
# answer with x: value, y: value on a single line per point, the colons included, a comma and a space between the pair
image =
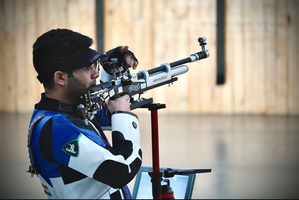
x: 55, y: 105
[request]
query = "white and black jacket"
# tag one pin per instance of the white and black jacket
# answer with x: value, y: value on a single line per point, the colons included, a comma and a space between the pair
x: 75, y: 160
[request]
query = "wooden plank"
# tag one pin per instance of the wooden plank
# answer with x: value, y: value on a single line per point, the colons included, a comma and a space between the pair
x: 31, y: 90
x: 235, y: 56
x: 62, y: 12
x: 293, y: 60
x: 219, y: 99
x: 254, y: 57
x: 271, y: 55
x: 8, y: 57
x: 213, y: 100
x: 196, y: 71
x: 23, y: 85
x: 134, y: 30
x: 57, y: 13
x: 171, y: 44
x: 54, y: 14
x: 225, y: 97
x: 160, y: 28
x: 118, y: 25
x: 86, y: 19
x: 176, y: 30
x: 81, y: 18
x: 42, y: 16
x: 73, y: 15
x: 141, y: 23
x: 282, y: 69
x: 20, y: 50
x: 110, y: 20
x: 43, y: 11
x: 142, y: 26
x: 27, y: 88
x: 276, y: 61
x: 202, y: 76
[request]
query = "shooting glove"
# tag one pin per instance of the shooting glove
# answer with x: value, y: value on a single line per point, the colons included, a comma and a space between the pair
x: 115, y: 53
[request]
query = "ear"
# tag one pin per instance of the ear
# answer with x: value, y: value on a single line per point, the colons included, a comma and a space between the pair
x: 60, y: 78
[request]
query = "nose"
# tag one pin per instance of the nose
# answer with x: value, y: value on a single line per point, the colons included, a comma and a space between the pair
x: 95, y: 73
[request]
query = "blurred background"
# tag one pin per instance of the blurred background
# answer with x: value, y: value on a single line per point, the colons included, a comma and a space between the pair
x: 246, y: 128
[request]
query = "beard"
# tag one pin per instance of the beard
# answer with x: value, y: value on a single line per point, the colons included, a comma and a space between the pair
x: 74, y: 89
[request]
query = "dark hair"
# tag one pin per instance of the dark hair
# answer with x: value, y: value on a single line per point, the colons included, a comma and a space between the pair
x: 57, y: 45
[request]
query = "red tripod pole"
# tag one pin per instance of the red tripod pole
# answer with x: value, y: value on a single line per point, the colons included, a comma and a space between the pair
x: 155, y: 141
x: 156, y: 174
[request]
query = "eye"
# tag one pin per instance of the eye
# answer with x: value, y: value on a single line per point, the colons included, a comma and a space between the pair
x: 87, y: 68
x: 95, y: 66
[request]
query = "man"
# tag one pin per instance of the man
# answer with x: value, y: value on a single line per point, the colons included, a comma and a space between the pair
x: 71, y: 158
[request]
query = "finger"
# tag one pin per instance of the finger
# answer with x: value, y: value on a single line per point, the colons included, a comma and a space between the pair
x: 124, y: 48
x: 122, y: 98
x: 126, y: 96
x: 132, y: 63
x: 128, y: 60
x: 135, y: 64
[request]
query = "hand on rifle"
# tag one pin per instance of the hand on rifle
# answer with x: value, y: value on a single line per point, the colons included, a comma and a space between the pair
x: 119, y: 104
x: 124, y: 56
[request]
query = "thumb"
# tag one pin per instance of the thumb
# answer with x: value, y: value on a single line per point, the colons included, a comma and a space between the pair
x: 124, y: 48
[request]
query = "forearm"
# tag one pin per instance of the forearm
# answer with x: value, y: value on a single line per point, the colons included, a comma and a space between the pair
x: 126, y: 142
x: 125, y: 127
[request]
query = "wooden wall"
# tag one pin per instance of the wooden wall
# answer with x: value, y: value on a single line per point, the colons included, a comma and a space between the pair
x: 22, y: 21
x: 262, y: 66
x: 262, y: 42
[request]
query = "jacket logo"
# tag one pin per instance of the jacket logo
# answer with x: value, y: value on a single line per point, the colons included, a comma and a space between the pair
x: 71, y: 148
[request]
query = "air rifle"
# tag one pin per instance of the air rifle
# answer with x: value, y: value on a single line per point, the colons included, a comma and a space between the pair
x: 123, y: 82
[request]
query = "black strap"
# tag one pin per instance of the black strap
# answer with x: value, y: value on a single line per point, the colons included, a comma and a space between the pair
x: 32, y: 169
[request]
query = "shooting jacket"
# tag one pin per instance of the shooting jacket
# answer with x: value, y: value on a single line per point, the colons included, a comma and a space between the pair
x: 75, y: 160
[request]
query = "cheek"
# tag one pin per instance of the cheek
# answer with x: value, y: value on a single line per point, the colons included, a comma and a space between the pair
x: 84, y: 78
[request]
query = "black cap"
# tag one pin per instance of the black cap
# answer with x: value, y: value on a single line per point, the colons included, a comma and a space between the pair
x: 82, y: 59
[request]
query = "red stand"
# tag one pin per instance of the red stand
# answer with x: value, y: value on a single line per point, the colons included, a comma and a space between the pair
x: 156, y: 174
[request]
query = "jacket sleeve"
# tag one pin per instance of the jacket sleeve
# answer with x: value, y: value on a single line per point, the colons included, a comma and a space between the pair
x: 114, y: 165
x: 126, y: 141
x: 102, y: 119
